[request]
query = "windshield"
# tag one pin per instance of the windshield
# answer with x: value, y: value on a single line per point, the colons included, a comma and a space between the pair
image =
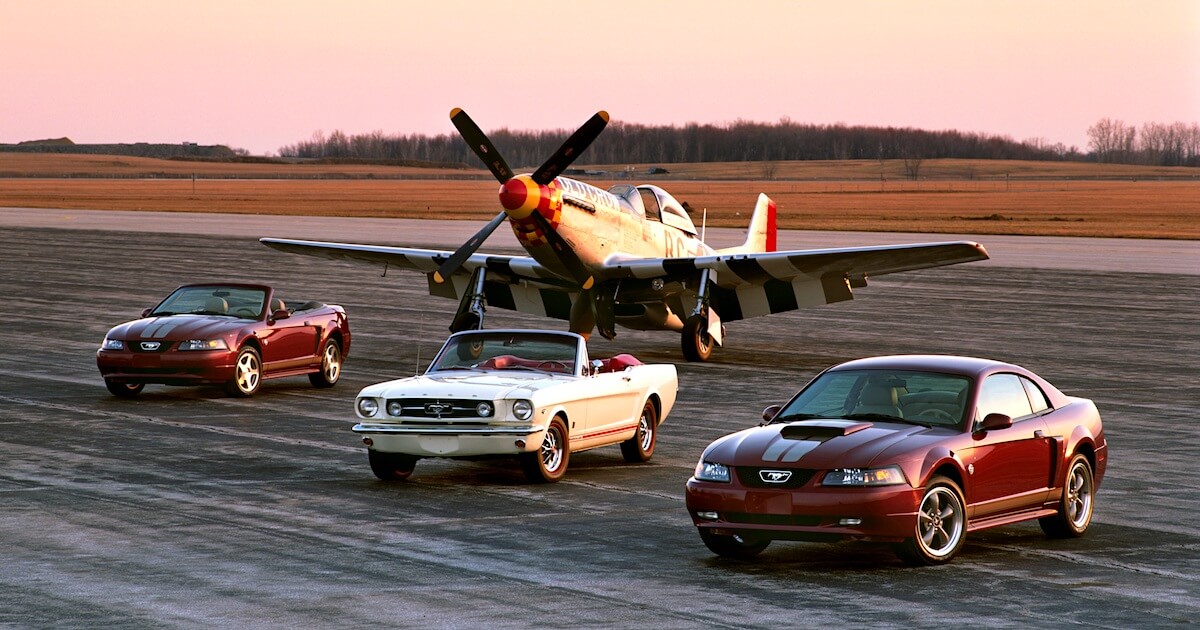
x: 927, y: 398
x: 552, y: 354
x: 245, y: 302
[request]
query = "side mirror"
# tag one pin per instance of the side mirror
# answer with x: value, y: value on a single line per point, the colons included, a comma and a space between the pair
x: 770, y: 412
x: 145, y: 312
x: 596, y: 365
x: 995, y: 421
x: 280, y: 314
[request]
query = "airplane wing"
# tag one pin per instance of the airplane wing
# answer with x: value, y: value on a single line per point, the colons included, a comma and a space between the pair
x: 515, y: 283
x: 755, y: 284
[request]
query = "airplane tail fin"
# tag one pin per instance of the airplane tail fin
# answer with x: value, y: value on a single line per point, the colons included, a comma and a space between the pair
x: 761, y: 235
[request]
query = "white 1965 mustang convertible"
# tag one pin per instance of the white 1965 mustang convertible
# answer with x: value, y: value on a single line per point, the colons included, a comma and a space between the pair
x: 533, y: 395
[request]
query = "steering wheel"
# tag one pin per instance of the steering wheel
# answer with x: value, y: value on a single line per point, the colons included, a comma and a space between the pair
x: 245, y: 311
x: 554, y: 366
x: 937, y: 414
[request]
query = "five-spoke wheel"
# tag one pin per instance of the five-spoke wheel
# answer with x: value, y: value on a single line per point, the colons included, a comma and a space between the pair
x: 331, y: 366
x: 1075, y: 507
x: 941, y: 525
x: 247, y: 373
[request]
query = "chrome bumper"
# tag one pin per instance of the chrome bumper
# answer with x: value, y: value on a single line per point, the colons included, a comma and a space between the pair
x: 398, y: 429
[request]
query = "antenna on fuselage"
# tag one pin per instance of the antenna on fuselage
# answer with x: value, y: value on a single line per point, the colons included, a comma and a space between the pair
x: 703, y: 223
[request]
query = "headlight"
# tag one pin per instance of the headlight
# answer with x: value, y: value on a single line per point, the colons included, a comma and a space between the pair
x: 112, y: 344
x: 889, y: 476
x: 204, y: 344
x: 523, y: 409
x: 367, y: 407
x: 712, y: 471
x: 394, y: 407
x: 485, y: 409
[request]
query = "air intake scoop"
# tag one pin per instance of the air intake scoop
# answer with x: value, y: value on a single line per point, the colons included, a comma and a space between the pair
x: 821, y: 429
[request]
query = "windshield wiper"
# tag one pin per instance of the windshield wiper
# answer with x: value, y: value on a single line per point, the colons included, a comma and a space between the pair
x: 798, y: 416
x: 886, y: 418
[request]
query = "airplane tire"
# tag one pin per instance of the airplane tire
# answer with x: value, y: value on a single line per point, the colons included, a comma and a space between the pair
x: 695, y: 340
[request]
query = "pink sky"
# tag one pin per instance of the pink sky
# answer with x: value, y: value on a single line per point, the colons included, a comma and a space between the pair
x: 261, y: 74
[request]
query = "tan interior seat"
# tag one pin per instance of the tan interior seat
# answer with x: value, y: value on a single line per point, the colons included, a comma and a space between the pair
x: 878, y: 398
x: 216, y: 304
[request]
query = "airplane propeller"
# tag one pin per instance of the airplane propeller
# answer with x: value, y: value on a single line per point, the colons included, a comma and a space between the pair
x: 556, y: 164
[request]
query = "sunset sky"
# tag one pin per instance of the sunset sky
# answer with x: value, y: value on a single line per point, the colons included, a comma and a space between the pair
x: 259, y: 75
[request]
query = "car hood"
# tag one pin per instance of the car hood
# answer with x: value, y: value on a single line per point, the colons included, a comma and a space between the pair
x: 177, y: 327
x: 474, y: 384
x: 820, y: 444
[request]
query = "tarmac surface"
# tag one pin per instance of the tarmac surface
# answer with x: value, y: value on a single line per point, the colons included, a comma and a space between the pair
x: 185, y: 508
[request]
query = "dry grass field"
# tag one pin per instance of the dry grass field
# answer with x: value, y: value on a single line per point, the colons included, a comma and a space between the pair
x: 960, y: 196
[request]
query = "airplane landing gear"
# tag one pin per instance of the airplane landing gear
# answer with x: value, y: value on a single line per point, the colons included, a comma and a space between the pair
x: 471, y: 308
x: 703, y: 330
x: 695, y: 340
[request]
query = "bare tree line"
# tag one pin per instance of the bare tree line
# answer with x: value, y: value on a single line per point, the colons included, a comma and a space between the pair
x: 1175, y: 144
x: 633, y: 143
x: 741, y: 141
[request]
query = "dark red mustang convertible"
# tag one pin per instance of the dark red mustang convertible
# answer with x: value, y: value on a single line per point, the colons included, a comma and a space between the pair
x: 915, y: 451
x: 235, y: 335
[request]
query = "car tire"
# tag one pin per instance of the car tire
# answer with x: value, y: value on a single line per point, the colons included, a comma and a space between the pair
x: 695, y: 341
x: 391, y: 466
x: 123, y: 390
x: 247, y: 374
x: 941, y: 525
x: 1075, y: 507
x: 331, y: 366
x: 734, y: 547
x: 640, y: 447
x: 548, y: 464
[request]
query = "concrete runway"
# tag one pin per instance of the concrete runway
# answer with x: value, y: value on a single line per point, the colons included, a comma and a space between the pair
x: 184, y: 508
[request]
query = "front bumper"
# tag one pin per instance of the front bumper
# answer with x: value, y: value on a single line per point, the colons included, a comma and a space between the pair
x: 450, y: 441
x: 884, y: 514
x: 168, y: 368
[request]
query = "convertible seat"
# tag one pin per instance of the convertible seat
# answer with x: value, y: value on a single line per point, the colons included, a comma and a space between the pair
x: 216, y: 304
x: 277, y: 305
x: 879, y: 398
x: 507, y: 360
x: 618, y: 363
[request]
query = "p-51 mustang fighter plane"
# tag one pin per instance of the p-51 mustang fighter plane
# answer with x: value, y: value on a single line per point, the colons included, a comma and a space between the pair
x: 629, y: 255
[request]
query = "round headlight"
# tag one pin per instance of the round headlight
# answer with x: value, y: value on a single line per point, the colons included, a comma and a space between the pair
x: 484, y: 409
x: 367, y: 407
x: 523, y: 409
x: 395, y: 408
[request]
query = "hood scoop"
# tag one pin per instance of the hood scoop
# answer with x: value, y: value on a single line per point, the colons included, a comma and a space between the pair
x: 821, y: 429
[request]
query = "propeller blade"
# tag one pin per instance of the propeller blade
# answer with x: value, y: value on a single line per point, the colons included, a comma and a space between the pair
x: 570, y: 259
x: 480, y: 144
x: 571, y: 149
x: 464, y: 252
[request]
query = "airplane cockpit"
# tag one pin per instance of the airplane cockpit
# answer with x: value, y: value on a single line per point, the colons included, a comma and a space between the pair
x: 654, y: 204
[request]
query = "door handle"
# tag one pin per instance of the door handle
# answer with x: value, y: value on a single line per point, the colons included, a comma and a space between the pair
x: 1039, y: 434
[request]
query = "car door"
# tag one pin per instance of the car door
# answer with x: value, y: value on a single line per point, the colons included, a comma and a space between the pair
x: 1008, y: 468
x: 611, y: 402
x: 289, y: 343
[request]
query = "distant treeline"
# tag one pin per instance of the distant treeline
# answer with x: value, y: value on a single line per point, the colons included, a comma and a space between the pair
x: 642, y: 144
x: 1159, y: 144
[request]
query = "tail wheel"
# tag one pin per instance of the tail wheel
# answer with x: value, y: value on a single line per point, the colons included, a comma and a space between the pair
x: 941, y: 525
x: 696, y: 342
x: 391, y: 466
x: 640, y: 447
x: 331, y: 366
x: 735, y: 547
x: 548, y: 464
x: 1075, y: 507
x: 247, y: 374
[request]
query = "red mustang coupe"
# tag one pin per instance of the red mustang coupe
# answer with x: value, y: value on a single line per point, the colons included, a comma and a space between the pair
x: 232, y: 334
x: 910, y: 450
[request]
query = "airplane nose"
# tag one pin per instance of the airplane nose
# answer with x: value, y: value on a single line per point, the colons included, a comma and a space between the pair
x: 519, y: 196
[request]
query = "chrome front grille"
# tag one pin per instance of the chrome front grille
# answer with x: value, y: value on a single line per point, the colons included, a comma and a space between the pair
x: 436, y: 408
